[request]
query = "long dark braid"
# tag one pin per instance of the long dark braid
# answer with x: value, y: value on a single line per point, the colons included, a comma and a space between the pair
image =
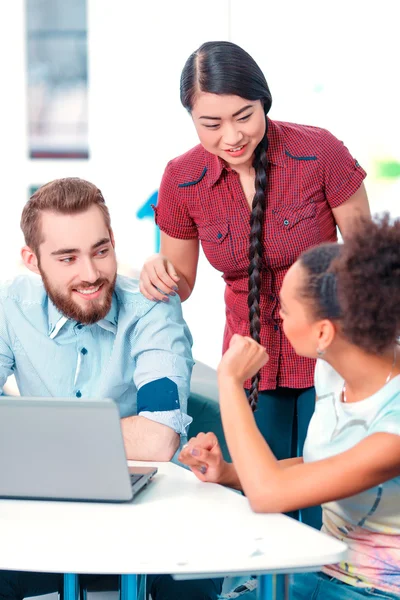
x: 226, y: 69
x: 256, y: 251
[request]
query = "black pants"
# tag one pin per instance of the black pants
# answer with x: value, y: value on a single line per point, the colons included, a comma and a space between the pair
x: 16, y: 585
x: 282, y: 416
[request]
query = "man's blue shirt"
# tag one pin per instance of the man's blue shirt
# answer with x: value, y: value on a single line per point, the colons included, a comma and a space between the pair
x: 139, y: 354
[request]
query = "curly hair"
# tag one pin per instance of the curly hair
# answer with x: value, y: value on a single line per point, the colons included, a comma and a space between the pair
x: 358, y: 283
x: 369, y: 290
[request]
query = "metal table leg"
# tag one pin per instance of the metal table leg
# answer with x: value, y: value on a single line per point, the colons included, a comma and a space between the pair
x: 129, y: 585
x: 273, y: 587
x: 71, y: 586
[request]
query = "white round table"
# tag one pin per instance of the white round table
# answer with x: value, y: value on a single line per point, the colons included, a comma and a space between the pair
x: 177, y: 525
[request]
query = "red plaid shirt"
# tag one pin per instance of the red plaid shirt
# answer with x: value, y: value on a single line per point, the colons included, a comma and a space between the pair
x: 310, y: 172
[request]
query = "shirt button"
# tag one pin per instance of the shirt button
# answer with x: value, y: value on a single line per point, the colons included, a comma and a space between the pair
x: 219, y: 235
x: 286, y: 222
x: 276, y: 327
x: 84, y: 351
x: 78, y: 394
x: 271, y: 297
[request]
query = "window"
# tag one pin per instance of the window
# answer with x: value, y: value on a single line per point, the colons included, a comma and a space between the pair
x: 57, y: 78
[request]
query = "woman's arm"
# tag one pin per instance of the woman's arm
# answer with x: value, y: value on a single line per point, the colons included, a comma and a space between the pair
x: 173, y: 269
x: 356, y: 206
x: 271, y: 488
x: 184, y: 255
x: 202, y: 454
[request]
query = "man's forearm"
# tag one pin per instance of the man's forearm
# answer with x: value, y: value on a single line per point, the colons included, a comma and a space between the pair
x: 147, y: 440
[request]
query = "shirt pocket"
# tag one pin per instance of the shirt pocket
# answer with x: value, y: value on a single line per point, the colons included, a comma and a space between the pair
x: 288, y: 217
x: 217, y: 245
x: 294, y: 229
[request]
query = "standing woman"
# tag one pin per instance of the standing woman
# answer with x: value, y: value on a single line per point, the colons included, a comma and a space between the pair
x: 256, y: 193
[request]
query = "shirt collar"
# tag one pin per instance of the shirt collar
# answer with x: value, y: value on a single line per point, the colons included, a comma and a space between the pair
x: 276, y: 154
x: 56, y: 320
x: 215, y: 166
x: 110, y: 321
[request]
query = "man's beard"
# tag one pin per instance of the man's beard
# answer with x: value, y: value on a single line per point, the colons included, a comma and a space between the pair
x: 96, y: 309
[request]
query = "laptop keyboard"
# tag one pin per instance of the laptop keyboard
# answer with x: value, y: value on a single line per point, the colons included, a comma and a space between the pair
x: 134, y: 478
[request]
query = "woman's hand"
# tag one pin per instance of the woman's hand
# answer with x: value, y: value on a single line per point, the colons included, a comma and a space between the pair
x: 204, y: 457
x: 243, y: 359
x: 158, y: 278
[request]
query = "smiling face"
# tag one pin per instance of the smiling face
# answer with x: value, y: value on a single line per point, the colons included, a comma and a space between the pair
x: 229, y: 126
x: 77, y: 263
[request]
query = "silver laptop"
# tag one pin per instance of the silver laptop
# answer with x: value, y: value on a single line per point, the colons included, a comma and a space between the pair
x: 65, y: 449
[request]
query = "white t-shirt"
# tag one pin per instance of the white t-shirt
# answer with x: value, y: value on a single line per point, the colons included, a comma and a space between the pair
x: 368, y: 522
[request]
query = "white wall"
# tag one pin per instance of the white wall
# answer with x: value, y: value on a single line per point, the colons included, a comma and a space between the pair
x: 329, y: 64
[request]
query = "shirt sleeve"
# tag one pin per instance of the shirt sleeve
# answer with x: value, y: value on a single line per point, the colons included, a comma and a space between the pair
x: 7, y: 360
x: 171, y: 213
x: 161, y: 345
x: 342, y: 175
x: 389, y: 422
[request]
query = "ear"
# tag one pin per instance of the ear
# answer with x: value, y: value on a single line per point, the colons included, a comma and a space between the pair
x: 30, y: 259
x: 326, y: 334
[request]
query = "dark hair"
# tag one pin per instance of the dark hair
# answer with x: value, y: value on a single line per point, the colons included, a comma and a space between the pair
x: 320, y: 287
x: 358, y: 283
x: 69, y: 195
x: 226, y: 69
